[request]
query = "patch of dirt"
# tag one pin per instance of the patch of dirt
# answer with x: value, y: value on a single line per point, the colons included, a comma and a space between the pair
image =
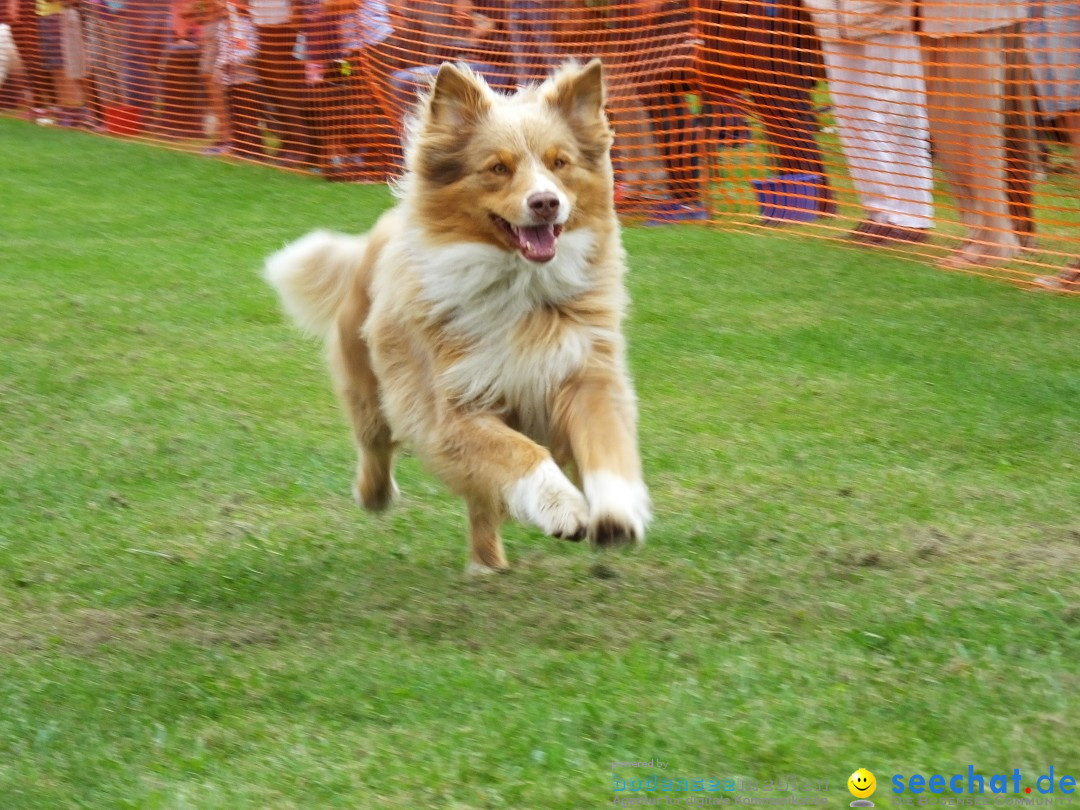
x: 86, y: 630
x: 1054, y: 555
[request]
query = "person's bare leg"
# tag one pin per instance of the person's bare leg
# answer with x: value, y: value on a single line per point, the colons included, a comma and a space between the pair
x: 966, y: 120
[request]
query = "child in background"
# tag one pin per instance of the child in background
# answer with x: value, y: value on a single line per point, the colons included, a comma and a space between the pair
x: 62, y: 58
x: 206, y: 14
x: 234, y: 68
x: 21, y: 16
x: 352, y: 132
x: 71, y: 83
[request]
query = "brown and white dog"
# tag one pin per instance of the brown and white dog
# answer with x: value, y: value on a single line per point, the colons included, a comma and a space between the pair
x: 478, y: 323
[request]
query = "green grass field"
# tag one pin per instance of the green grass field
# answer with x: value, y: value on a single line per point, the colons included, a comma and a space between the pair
x: 866, y: 477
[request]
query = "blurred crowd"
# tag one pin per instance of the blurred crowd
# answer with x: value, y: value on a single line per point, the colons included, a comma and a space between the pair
x: 979, y: 88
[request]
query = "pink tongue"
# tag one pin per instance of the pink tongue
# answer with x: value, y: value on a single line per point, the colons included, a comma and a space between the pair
x: 537, y: 243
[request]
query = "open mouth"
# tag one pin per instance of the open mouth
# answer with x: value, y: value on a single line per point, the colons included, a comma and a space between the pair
x: 537, y: 243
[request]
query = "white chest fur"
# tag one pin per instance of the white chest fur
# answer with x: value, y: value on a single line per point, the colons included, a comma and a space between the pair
x: 486, y: 297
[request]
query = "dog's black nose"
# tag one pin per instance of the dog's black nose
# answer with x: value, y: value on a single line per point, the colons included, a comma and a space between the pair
x: 544, y: 204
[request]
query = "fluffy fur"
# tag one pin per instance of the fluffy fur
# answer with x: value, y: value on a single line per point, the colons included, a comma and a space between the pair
x: 479, y: 321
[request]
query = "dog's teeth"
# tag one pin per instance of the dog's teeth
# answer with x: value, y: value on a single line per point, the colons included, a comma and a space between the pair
x: 528, y: 245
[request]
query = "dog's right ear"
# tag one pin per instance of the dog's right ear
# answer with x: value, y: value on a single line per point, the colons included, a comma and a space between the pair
x: 579, y: 92
x: 458, y: 98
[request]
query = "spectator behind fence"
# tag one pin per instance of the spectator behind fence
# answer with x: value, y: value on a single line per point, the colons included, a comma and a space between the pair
x: 144, y: 26
x: 351, y: 127
x: 208, y: 16
x: 490, y: 41
x: 372, y: 130
x: 63, y: 58
x: 429, y: 32
x: 875, y: 78
x: 768, y: 51
x: 233, y: 46
x: 532, y: 38
x: 1053, y: 29
x: 10, y: 63
x: 50, y: 57
x: 653, y: 45
x: 962, y: 49
x: 180, y: 106
x: 104, y: 46
x: 607, y: 31
x: 278, y: 25
x: 73, y: 78
x: 21, y: 16
x: 327, y: 76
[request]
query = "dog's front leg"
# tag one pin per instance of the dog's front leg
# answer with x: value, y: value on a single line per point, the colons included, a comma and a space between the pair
x: 500, y: 471
x: 596, y: 425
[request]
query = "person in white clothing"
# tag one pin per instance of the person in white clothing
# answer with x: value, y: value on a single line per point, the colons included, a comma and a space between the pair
x: 875, y: 76
x: 9, y: 54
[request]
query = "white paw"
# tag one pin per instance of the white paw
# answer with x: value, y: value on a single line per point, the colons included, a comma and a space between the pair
x: 546, y: 499
x: 619, y: 509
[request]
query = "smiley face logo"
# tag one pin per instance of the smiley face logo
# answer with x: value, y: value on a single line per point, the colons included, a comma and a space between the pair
x: 862, y: 784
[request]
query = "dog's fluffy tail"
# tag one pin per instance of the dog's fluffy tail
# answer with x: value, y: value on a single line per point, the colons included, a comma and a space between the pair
x: 312, y: 276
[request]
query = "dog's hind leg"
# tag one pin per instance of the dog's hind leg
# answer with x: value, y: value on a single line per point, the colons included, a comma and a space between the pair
x: 485, y: 546
x: 374, y: 486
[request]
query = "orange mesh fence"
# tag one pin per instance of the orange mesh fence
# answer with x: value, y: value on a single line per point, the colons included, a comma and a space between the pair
x: 949, y: 130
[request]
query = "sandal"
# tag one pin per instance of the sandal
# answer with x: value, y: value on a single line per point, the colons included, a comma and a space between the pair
x: 1068, y: 280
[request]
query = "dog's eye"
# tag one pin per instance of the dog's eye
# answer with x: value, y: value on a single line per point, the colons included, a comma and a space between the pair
x: 500, y: 168
x: 558, y: 163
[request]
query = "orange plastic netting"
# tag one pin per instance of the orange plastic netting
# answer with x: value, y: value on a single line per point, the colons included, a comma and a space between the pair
x: 945, y: 129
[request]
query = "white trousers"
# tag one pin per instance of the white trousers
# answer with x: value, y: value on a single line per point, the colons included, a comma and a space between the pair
x: 879, y: 102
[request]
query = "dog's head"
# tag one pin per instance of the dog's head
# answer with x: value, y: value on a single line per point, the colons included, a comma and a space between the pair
x: 512, y: 171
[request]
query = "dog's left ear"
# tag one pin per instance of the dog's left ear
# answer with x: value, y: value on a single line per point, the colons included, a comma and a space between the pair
x: 578, y: 93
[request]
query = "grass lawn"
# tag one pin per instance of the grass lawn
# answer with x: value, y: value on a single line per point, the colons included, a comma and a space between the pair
x: 866, y: 476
